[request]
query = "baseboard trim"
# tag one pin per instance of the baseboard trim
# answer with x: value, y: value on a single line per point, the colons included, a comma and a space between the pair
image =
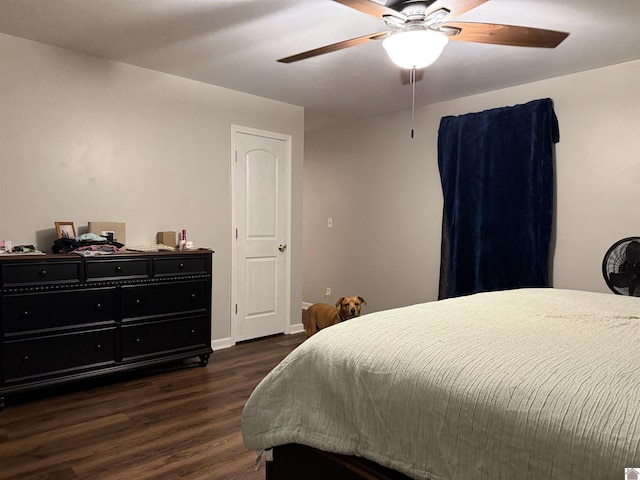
x: 221, y: 344
x: 297, y: 328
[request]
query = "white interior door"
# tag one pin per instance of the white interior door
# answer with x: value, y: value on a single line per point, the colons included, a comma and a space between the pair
x: 262, y: 185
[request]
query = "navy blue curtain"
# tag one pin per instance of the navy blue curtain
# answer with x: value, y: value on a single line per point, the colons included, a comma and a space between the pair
x: 496, y: 169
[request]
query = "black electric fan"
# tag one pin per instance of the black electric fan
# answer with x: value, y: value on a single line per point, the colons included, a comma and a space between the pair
x: 621, y: 267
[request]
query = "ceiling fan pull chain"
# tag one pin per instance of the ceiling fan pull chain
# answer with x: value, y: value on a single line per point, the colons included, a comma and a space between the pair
x: 412, y: 77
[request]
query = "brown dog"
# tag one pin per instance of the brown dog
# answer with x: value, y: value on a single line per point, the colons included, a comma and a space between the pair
x: 322, y: 315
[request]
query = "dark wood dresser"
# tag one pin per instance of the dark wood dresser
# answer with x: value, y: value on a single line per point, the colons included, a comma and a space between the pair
x: 66, y: 317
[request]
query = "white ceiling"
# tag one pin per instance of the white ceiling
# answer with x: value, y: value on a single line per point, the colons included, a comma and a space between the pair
x: 235, y: 44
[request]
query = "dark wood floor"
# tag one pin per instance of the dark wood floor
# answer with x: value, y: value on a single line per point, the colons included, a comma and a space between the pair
x: 181, y: 423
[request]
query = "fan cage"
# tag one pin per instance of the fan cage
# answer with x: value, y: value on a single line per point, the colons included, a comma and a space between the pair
x: 613, y: 260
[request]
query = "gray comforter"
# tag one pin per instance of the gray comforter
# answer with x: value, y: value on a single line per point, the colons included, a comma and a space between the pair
x: 527, y: 384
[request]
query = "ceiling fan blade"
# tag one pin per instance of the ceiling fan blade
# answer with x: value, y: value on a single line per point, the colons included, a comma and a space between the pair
x: 504, y: 34
x: 456, y: 7
x: 372, y: 8
x: 334, y: 47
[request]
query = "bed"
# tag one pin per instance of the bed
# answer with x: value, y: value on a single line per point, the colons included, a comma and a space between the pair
x: 526, y: 383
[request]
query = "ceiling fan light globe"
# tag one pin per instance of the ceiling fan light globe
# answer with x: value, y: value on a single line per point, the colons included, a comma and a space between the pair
x: 415, y: 48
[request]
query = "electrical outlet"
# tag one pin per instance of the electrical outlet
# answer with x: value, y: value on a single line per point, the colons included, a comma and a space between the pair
x: 328, y: 292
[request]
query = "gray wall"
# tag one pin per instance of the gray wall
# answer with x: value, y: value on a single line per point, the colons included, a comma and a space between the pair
x: 86, y: 139
x: 382, y: 190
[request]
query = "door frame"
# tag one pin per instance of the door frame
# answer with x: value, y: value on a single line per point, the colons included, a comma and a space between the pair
x: 235, y: 129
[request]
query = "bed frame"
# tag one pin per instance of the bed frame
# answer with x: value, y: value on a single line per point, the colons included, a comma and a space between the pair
x: 294, y: 461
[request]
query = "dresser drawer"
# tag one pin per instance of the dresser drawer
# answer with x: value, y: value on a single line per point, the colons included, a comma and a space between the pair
x: 117, y: 268
x: 181, y: 265
x: 143, y: 301
x: 52, y: 310
x: 164, y: 337
x: 57, y: 354
x: 43, y: 273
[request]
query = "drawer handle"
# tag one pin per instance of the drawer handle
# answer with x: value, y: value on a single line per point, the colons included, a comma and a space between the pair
x: 181, y: 266
x: 98, y: 347
x: 138, y: 341
x: 138, y: 302
x: 26, y: 359
x: 193, y: 296
x: 193, y: 331
x: 42, y: 273
x: 98, y: 306
x: 25, y: 314
x: 118, y: 269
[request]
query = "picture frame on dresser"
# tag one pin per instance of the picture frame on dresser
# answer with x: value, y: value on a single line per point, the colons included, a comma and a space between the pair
x: 65, y: 230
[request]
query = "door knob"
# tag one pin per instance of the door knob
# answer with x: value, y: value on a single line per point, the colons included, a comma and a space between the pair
x: 282, y: 248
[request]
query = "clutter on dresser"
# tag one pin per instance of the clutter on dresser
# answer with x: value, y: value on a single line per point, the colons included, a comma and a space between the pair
x: 166, y: 238
x: 7, y: 248
x: 86, y: 245
x: 154, y: 247
x: 25, y: 249
x: 65, y: 229
x: 105, y: 238
x: 185, y: 244
x: 115, y: 231
x: 182, y: 244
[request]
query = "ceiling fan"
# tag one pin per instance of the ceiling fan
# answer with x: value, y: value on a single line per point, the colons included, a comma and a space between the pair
x: 418, y: 30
